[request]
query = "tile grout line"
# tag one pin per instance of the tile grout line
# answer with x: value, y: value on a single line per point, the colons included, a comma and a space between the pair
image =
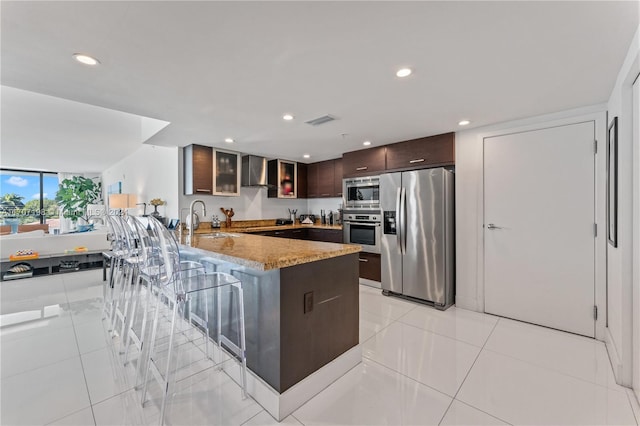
x: 68, y: 415
x: 375, y: 334
x: 386, y: 367
x: 562, y: 373
x: 322, y: 390
x: 75, y: 336
x: 449, y: 337
x: 84, y: 375
x: 629, y: 396
x: 297, y: 419
x: 467, y: 375
x: 254, y: 416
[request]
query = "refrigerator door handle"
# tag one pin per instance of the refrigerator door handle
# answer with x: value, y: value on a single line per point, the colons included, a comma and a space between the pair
x: 403, y: 216
x: 398, y: 220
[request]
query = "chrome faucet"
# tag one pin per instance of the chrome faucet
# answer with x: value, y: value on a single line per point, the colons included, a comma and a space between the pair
x: 191, y: 212
x: 183, y: 214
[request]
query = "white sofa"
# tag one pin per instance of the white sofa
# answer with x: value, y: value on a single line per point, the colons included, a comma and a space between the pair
x: 48, y: 244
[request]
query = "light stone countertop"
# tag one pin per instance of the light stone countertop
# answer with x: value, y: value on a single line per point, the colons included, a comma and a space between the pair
x: 265, y: 253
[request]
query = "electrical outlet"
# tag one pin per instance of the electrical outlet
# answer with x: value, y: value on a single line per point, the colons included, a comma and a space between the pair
x: 308, y: 302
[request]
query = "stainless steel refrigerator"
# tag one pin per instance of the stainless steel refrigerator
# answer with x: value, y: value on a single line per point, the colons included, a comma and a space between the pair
x: 417, y: 244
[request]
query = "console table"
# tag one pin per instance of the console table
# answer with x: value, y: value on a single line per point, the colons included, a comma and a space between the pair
x: 53, y: 264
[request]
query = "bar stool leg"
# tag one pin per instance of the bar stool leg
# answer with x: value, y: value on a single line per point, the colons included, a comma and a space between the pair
x: 167, y: 379
x: 243, y: 346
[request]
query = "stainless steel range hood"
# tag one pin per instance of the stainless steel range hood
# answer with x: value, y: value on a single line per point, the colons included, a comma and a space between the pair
x: 254, y: 171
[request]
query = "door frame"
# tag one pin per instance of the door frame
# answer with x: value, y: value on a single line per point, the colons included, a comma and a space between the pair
x: 599, y: 120
x: 635, y: 248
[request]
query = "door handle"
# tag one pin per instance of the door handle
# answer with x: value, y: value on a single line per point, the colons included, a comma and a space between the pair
x: 403, y: 215
x: 398, y: 220
x: 492, y: 226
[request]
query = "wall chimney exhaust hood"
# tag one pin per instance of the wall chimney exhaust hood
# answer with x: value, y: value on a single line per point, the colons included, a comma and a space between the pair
x: 254, y: 171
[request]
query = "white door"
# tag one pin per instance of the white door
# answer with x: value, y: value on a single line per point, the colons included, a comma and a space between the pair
x: 539, y: 227
x: 636, y: 238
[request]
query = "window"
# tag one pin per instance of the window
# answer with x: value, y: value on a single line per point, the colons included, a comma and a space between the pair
x: 29, y: 196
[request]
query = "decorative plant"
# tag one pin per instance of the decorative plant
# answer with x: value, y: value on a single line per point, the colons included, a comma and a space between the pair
x: 157, y: 202
x: 75, y: 194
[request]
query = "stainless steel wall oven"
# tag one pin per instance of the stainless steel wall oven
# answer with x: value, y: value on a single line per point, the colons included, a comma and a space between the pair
x: 363, y: 228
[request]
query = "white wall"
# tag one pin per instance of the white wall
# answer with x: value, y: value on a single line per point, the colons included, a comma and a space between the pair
x: 326, y: 204
x: 620, y: 259
x: 251, y: 204
x: 470, y: 195
x: 150, y: 172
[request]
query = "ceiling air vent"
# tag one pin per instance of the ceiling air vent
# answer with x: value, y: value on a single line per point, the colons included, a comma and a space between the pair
x: 320, y: 120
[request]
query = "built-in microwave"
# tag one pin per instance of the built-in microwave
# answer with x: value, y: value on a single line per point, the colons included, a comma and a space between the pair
x: 363, y: 228
x: 361, y: 193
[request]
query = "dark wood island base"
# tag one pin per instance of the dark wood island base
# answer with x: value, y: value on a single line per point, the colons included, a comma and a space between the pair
x: 301, y: 319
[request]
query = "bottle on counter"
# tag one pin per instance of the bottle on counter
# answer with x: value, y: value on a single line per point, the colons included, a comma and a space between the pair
x: 330, y: 218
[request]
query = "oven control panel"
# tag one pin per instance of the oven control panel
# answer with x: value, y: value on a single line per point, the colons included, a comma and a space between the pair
x: 362, y: 217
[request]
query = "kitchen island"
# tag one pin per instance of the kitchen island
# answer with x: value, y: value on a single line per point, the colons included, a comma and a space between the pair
x: 301, y: 311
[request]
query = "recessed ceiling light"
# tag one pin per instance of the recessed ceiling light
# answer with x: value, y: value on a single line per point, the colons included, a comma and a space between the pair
x: 229, y: 140
x: 404, y: 72
x: 366, y: 143
x: 85, y: 59
x: 306, y: 156
x: 463, y: 122
x: 287, y: 117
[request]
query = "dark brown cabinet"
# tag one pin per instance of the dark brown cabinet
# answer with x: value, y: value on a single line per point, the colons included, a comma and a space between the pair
x: 419, y: 153
x: 337, y: 177
x: 369, y: 266
x: 302, y: 180
x: 326, y: 235
x: 313, y: 234
x: 198, y: 170
x: 323, y: 180
x: 364, y: 162
x: 312, y: 180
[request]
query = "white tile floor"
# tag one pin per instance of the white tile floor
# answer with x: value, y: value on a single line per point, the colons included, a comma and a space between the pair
x: 420, y: 366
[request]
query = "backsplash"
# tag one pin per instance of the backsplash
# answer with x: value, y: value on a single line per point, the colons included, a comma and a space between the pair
x: 251, y: 204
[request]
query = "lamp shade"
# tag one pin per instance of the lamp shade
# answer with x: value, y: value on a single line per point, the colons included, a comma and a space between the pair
x: 122, y: 201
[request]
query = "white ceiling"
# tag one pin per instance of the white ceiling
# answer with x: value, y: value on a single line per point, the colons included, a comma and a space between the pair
x: 41, y: 132
x: 231, y: 69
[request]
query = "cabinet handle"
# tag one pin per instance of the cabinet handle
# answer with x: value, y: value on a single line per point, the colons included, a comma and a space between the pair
x: 339, y: 194
x: 419, y: 160
x: 363, y: 260
x: 203, y: 190
x: 297, y: 232
x: 324, y: 195
x: 279, y: 232
x: 362, y: 168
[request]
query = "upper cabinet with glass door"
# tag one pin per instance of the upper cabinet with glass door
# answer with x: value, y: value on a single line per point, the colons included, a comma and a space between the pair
x: 283, y: 179
x: 226, y: 173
